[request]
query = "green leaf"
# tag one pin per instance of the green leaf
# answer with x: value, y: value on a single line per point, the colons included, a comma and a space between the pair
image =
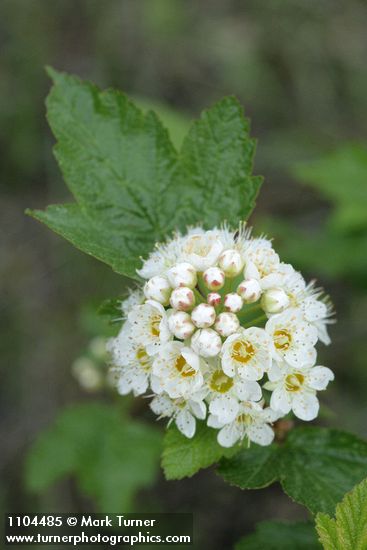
x: 110, y: 457
x: 131, y: 187
x: 217, y: 157
x: 316, y: 466
x: 348, y: 531
x: 183, y: 457
x: 341, y: 177
x: 278, y: 535
x: 252, y: 468
x: 176, y: 122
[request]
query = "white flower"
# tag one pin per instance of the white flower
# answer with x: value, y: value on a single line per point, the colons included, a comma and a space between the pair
x: 177, y: 370
x: 305, y: 297
x: 203, y: 316
x: 206, y: 342
x: 182, y: 298
x: 261, y: 263
x: 226, y: 393
x: 182, y: 274
x: 180, y: 324
x: 274, y: 300
x: 227, y: 324
x: 214, y: 278
x: 131, y: 363
x: 295, y: 389
x: 231, y: 262
x: 293, y: 338
x: 252, y: 421
x: 158, y: 289
x: 248, y: 353
x: 233, y: 302
x: 182, y: 412
x: 249, y: 290
x: 149, y: 325
x: 202, y: 250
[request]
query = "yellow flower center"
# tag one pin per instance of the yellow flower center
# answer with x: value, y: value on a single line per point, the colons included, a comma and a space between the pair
x: 294, y: 382
x: 220, y: 382
x: 183, y: 367
x: 242, y: 351
x: 244, y: 419
x: 154, y: 325
x: 282, y: 339
x: 143, y: 358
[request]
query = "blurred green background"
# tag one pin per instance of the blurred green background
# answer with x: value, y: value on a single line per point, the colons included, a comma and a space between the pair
x: 298, y: 67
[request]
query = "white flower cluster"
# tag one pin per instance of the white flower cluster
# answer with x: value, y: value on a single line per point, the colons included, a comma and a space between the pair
x: 219, y: 320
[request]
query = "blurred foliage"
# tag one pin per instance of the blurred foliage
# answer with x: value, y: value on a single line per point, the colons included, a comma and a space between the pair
x: 275, y: 535
x: 110, y: 456
x: 338, y: 247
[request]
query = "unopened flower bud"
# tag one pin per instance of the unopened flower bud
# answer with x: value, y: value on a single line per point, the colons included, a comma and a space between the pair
x: 214, y: 299
x: 249, y: 290
x: 158, y: 289
x: 203, y: 315
x: 206, y: 342
x: 183, y: 274
x: 226, y: 324
x: 274, y: 300
x: 233, y: 302
x: 182, y: 298
x: 180, y: 324
x: 214, y: 278
x: 231, y: 262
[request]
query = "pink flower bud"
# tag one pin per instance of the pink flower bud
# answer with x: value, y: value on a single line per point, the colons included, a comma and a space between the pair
x: 226, y: 324
x: 214, y: 299
x: 182, y: 298
x: 180, y: 324
x: 233, y: 302
x: 206, y: 342
x: 182, y: 274
x: 214, y: 278
x: 203, y: 315
x: 249, y: 290
x: 231, y: 262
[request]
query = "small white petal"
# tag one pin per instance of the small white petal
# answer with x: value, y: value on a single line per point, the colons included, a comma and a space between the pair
x: 225, y: 408
x: 275, y: 372
x: 305, y: 406
x: 281, y: 400
x: 247, y: 390
x: 319, y: 377
x: 214, y: 422
x: 123, y: 386
x: 186, y: 423
x: 251, y: 271
x: 162, y: 405
x: 262, y: 434
x: 298, y: 357
x: 198, y: 408
x: 229, y: 435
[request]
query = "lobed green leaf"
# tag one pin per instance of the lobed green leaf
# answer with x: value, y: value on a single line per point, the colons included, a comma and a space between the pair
x: 130, y: 185
x: 316, y: 466
x: 348, y: 531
